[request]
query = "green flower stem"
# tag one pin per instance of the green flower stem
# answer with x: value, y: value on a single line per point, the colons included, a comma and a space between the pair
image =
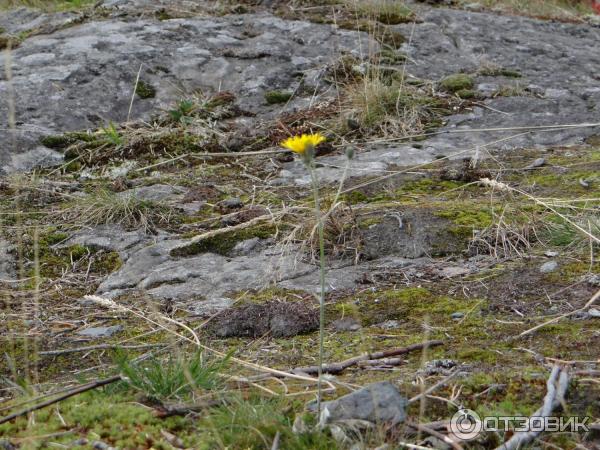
x: 315, y: 183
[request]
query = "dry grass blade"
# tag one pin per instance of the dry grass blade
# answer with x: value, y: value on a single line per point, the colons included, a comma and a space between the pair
x: 588, y: 305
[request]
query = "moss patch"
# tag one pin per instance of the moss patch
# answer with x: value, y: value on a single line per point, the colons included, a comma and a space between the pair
x: 457, y: 82
x: 276, y: 97
x: 145, y: 90
x: 223, y: 244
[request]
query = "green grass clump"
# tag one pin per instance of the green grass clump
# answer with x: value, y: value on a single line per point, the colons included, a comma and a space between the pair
x: 275, y: 97
x: 47, y: 5
x: 457, y: 82
x: 389, y: 12
x: 393, y: 107
x: 176, y: 377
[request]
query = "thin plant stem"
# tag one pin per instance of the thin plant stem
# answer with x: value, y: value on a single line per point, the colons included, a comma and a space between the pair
x: 315, y: 183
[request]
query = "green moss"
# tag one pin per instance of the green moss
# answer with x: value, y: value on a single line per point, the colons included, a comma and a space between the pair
x: 145, y: 90
x: 108, y: 263
x: 408, y: 304
x: 62, y: 141
x: 275, y: 97
x: 466, y: 218
x: 355, y: 197
x: 500, y: 71
x: 466, y: 93
x: 457, y: 82
x: 224, y: 243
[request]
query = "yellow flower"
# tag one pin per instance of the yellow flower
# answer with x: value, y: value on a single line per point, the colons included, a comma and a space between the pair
x: 299, y: 144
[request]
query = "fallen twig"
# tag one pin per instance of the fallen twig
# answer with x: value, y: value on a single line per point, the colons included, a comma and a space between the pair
x: 338, y: 367
x: 557, y: 386
x: 434, y: 387
x: 98, y: 347
x: 434, y: 433
x: 163, y: 411
x: 76, y: 391
x: 595, y: 297
x: 381, y: 362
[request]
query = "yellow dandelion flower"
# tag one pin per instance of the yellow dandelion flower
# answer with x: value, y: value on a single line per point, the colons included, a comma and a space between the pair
x: 299, y: 144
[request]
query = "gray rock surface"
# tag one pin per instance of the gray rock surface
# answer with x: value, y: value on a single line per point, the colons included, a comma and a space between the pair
x: 83, y: 76
x: 89, y: 71
x: 100, y: 332
x: 555, y: 62
x: 376, y: 403
x: 549, y: 267
x: 202, y: 278
x: 112, y: 238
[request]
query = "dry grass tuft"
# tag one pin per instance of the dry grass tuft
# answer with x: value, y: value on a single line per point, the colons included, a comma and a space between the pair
x: 105, y: 207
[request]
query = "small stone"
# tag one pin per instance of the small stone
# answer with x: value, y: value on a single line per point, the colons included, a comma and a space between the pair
x: 549, y: 267
x: 439, y: 367
x: 593, y: 280
x: 389, y: 325
x: 537, y: 163
x: 229, y: 204
x: 376, y: 403
x: 551, y: 254
x: 100, y: 332
x: 457, y: 315
x: 450, y: 272
x: 245, y: 247
x: 6, y: 445
x: 347, y: 324
x: 594, y: 312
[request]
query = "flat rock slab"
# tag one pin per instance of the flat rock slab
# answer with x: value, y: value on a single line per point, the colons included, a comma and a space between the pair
x: 201, y: 279
x: 83, y: 76
x: 558, y: 66
x: 100, y: 332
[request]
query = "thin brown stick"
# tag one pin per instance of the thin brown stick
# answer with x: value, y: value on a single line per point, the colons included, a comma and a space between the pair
x: 434, y: 433
x: 595, y: 297
x: 338, y: 367
x: 98, y: 347
x: 434, y: 387
x: 77, y: 391
x: 164, y: 411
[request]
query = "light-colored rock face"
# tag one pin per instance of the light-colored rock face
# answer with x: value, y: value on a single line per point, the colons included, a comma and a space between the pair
x: 560, y: 73
x: 83, y: 76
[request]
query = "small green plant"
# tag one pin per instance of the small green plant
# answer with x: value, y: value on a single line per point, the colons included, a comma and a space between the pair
x: 176, y: 377
x: 112, y: 135
x: 183, y: 111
